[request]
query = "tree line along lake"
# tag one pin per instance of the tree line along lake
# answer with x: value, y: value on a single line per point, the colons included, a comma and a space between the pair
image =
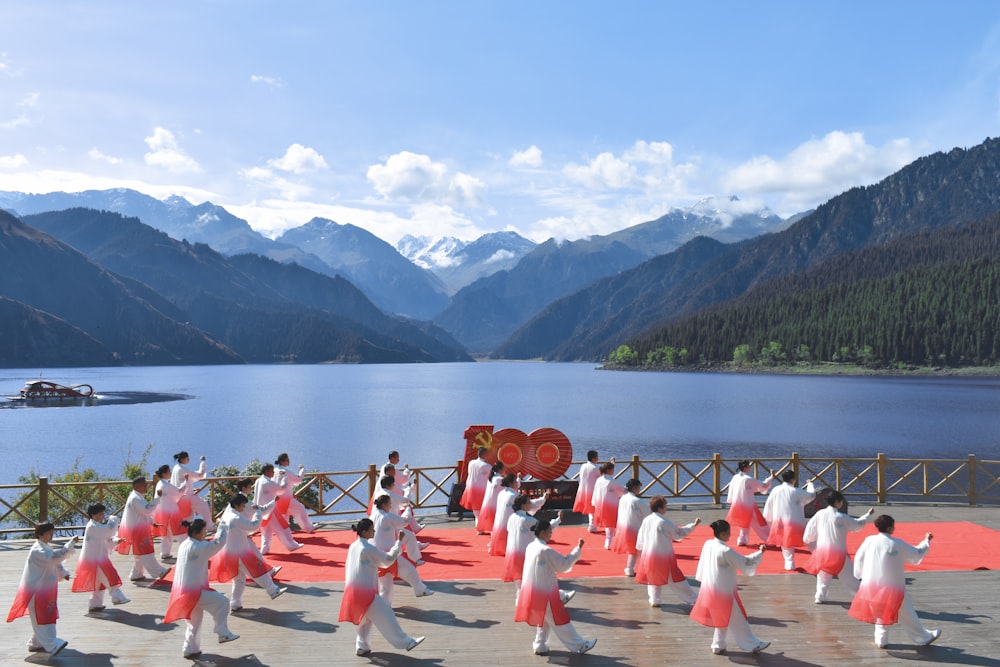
x: 344, y: 417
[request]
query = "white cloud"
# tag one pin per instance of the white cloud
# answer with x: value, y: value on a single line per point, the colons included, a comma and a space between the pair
x: 819, y: 169
x: 98, y: 156
x: 530, y: 157
x: 13, y: 161
x: 165, y: 152
x: 272, y: 81
x: 605, y: 172
x: 266, y: 178
x: 409, y: 177
x: 25, y: 104
x: 656, y: 152
x: 299, y: 159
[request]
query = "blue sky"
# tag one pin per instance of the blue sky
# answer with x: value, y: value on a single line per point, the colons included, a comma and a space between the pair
x: 554, y: 118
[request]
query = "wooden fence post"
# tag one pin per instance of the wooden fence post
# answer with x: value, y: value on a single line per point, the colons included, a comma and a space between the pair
x: 880, y: 490
x: 795, y: 467
x: 972, y: 479
x: 372, y: 478
x: 635, y: 465
x: 43, y: 499
x: 717, y: 478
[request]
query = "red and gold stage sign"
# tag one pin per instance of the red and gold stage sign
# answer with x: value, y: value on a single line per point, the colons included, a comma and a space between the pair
x: 545, y: 453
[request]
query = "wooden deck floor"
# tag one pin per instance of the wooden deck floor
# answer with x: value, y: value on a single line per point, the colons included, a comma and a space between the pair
x: 470, y: 623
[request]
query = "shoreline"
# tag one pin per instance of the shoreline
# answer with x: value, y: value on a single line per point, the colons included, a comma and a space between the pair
x: 823, y: 369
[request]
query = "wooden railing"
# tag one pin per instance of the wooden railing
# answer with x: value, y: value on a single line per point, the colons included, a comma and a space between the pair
x: 344, y: 495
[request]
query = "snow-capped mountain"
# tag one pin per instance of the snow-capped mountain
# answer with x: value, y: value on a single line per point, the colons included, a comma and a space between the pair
x: 458, y: 263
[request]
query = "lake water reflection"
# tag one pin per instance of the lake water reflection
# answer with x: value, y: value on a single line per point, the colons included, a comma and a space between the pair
x: 344, y: 417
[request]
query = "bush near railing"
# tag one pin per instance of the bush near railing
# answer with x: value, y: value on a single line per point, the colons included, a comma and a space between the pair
x: 345, y: 494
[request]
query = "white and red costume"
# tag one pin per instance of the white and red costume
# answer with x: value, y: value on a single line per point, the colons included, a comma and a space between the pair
x: 388, y: 526
x: 718, y: 605
x: 784, y: 511
x: 94, y: 571
x: 477, y: 473
x: 191, y: 596
x: 37, y: 592
x: 743, y: 511
x: 361, y: 603
x: 828, y: 530
x: 657, y: 564
x: 167, y: 515
x: 881, y: 599
x: 584, y: 501
x: 607, y: 493
x: 289, y: 505
x: 631, y: 511
x: 539, y: 603
x: 191, y: 503
x: 505, y: 507
x: 135, y: 535
x: 488, y: 510
x: 240, y: 558
x: 519, y: 536
x: 267, y: 494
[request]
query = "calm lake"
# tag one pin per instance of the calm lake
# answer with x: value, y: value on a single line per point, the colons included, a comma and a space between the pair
x: 344, y: 417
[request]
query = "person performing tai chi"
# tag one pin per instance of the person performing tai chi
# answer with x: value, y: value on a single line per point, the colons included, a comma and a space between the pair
x: 135, y: 534
x: 361, y: 604
x: 400, y: 503
x: 266, y: 492
x: 631, y: 512
x: 607, y: 493
x: 784, y: 512
x: 488, y: 511
x: 388, y: 525
x: 520, y: 533
x: 403, y: 475
x: 827, y: 530
x: 191, y: 503
x: 240, y: 558
x: 539, y: 604
x: 477, y: 472
x: 167, y: 516
x: 718, y: 605
x: 881, y: 598
x: 94, y: 571
x: 190, y: 594
x: 505, y: 508
x: 584, y: 501
x: 287, y: 503
x: 743, y: 510
x: 39, y: 588
x: 657, y: 564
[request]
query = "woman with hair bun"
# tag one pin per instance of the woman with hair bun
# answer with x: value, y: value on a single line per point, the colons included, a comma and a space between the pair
x: 718, y: 605
x: 191, y: 503
x: 167, y: 515
x: 520, y: 533
x: 190, y: 594
x: 657, y: 564
x: 361, y: 603
x: 488, y: 510
x: 94, y: 570
x: 240, y: 558
x: 631, y: 511
x: 607, y: 492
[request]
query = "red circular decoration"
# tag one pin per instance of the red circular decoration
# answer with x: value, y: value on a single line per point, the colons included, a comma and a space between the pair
x: 547, y: 454
x: 510, y: 454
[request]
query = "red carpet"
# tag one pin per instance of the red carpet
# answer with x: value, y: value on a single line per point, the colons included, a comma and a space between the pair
x: 458, y: 553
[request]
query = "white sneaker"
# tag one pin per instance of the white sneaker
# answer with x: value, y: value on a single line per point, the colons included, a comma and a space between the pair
x: 231, y: 637
x: 275, y: 570
x: 589, y: 644
x: 63, y: 643
x: 298, y: 545
x: 934, y: 637
x: 629, y: 572
x: 567, y: 596
x: 760, y: 647
x: 426, y: 592
x: 277, y: 593
x: 414, y: 643
x: 719, y: 651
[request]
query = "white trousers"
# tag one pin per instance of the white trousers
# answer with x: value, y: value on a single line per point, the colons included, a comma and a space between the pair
x: 102, y: 584
x: 789, y: 556
x: 273, y: 528
x: 740, y: 629
x: 42, y: 635
x: 217, y: 605
x: 146, y: 563
x: 380, y: 615
x: 762, y: 533
x: 240, y: 584
x: 609, y: 534
x: 407, y: 573
x: 567, y: 634
x: 298, y: 511
x: 200, y: 507
x: 846, y: 576
x: 909, y: 621
x: 682, y: 588
x: 167, y: 542
x: 410, y: 543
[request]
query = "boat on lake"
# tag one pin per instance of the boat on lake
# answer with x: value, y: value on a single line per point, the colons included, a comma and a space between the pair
x: 43, y: 391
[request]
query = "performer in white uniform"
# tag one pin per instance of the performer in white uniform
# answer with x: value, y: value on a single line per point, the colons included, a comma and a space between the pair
x: 190, y: 594
x: 361, y: 603
x: 135, y: 534
x: 488, y: 510
x: 718, y: 605
x: 94, y: 570
x: 584, y: 501
x: 191, y: 504
x: 388, y: 487
x: 505, y: 507
x: 167, y: 516
x: 38, y: 589
x: 240, y: 558
x: 520, y: 533
x: 657, y: 563
x: 784, y: 511
x: 476, y: 474
x: 743, y: 511
x: 288, y: 503
x: 388, y: 525
x: 403, y: 475
x: 607, y: 492
x: 827, y: 531
x: 881, y: 599
x: 265, y: 492
x: 539, y: 604
x: 631, y: 511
